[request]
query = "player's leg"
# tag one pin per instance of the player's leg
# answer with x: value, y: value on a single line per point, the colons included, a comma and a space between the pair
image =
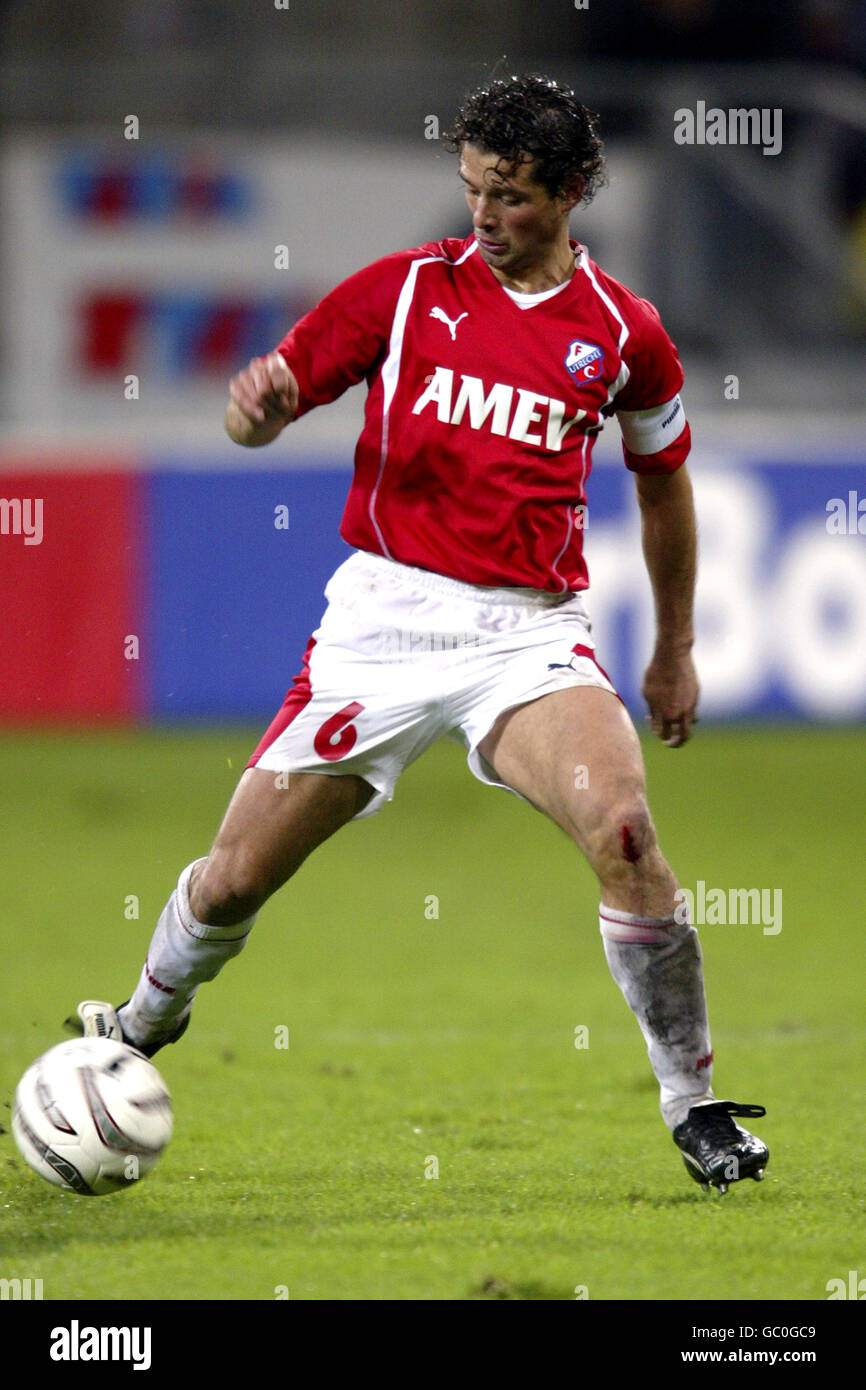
x: 355, y: 715
x: 575, y: 755
x: 272, y: 824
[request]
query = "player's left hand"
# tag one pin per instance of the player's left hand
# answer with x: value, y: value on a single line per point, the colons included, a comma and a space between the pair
x: 670, y: 688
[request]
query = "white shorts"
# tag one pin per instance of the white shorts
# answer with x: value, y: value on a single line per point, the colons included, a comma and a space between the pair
x: 404, y: 656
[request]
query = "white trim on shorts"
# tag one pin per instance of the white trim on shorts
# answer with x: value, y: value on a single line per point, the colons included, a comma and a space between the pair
x: 457, y: 588
x: 471, y: 652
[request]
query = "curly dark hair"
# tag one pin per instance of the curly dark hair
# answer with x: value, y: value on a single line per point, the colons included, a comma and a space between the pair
x: 534, y: 118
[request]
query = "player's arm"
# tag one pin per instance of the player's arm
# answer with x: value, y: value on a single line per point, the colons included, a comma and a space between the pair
x: 263, y: 399
x: 656, y: 440
x: 334, y: 346
x: 669, y: 536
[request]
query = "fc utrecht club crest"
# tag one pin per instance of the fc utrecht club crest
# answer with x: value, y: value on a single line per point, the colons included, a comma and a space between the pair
x: 584, y: 360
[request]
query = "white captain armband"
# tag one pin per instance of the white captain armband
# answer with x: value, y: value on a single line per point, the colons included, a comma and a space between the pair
x: 651, y: 431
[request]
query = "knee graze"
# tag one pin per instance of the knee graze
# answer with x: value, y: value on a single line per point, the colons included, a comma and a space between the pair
x: 623, y: 831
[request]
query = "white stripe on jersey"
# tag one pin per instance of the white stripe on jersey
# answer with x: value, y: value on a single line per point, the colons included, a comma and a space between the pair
x: 615, y: 386
x: 583, y: 264
x: 624, y: 371
x: 650, y: 431
x: 391, y: 370
x: 570, y: 526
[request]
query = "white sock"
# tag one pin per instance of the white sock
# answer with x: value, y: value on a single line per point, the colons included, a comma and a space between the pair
x: 656, y: 961
x: 183, y: 953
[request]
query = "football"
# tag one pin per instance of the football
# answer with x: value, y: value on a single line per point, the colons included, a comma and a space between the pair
x: 92, y: 1116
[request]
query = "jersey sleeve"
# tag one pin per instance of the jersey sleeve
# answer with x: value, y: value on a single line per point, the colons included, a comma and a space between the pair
x: 655, y: 432
x: 343, y: 339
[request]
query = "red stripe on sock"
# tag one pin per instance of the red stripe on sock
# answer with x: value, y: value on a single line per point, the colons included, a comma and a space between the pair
x: 157, y: 984
x: 639, y: 933
x: 659, y: 923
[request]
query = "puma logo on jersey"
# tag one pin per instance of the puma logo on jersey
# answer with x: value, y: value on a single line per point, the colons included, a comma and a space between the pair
x: 441, y: 315
x: 505, y: 410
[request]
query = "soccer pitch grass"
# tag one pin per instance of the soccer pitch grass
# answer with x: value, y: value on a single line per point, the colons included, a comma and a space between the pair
x: 417, y: 1041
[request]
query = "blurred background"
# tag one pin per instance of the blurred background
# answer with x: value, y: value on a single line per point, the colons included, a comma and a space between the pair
x: 181, y: 180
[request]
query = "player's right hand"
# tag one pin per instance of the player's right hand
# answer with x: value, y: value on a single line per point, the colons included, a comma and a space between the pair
x: 266, y: 390
x: 670, y: 688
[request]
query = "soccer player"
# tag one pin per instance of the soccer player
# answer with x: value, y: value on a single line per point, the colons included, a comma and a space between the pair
x: 491, y: 363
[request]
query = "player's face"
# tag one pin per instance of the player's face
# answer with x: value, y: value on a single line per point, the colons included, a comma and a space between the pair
x: 517, y: 225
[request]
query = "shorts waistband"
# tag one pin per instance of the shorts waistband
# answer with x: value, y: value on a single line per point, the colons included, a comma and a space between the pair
x: 456, y: 588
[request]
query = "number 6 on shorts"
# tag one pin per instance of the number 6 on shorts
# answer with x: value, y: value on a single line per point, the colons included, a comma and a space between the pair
x: 337, y: 736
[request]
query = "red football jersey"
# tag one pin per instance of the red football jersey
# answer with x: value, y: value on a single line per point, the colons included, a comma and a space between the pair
x: 481, y: 415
